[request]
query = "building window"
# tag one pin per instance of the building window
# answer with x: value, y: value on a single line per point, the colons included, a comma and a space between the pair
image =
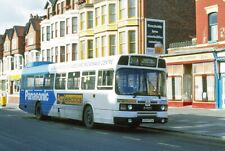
x: 62, y: 54
x: 48, y: 16
x: 82, y: 21
x: 56, y: 29
x: 43, y: 34
x: 74, y: 25
x: 74, y: 52
x: 112, y: 45
x: 62, y: 28
x: 67, y: 4
x: 52, y: 31
x: 90, y: 49
x: 73, y: 4
x: 67, y: 26
x: 103, y: 14
x: 112, y: 13
x: 174, y: 88
x: 58, y: 8
x: 67, y: 52
x: 30, y: 39
x: 122, y: 9
x: 98, y: 47
x: 56, y: 55
x: 132, y: 8
x: 14, y: 44
x: 52, y: 54
x: 97, y: 16
x: 90, y: 20
x: 122, y: 42
x: 62, y: 7
x: 213, y: 27
x: 132, y: 42
x: 104, y: 44
x: 48, y: 33
x: 83, y: 51
x: 48, y: 55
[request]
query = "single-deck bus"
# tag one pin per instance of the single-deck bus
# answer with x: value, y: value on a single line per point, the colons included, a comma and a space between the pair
x: 121, y: 90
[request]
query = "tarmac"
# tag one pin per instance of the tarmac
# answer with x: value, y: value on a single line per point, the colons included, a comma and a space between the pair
x: 204, y: 123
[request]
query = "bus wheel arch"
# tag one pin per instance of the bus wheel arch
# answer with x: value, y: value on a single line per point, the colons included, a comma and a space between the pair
x: 88, y: 116
x: 38, y: 111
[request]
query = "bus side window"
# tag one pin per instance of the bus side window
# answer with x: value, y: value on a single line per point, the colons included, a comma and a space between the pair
x: 105, y: 79
x: 48, y: 81
x: 30, y: 82
x: 60, y: 81
x: 73, y: 80
x: 39, y: 81
x: 88, y: 80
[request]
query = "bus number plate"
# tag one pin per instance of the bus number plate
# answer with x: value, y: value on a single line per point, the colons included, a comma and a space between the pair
x: 147, y: 120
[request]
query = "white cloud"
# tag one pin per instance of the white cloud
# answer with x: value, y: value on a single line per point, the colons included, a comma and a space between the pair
x: 17, y: 12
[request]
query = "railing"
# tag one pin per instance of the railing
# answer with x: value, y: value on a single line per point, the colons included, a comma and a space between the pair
x: 182, y: 44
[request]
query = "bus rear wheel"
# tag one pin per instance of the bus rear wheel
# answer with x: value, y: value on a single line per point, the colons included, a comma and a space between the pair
x: 88, y: 117
x: 38, y: 112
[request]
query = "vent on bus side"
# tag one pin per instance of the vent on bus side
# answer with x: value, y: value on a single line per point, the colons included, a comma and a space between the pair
x: 123, y: 60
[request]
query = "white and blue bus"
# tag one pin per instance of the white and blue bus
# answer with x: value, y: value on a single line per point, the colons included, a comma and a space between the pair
x: 121, y: 90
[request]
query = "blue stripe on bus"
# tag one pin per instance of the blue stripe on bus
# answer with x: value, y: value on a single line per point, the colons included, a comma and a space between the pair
x: 29, y: 97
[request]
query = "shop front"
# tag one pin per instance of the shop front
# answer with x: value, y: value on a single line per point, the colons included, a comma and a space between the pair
x: 191, y: 79
x: 13, y: 88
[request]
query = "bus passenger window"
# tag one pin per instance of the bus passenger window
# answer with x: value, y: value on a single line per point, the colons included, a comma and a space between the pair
x: 30, y: 82
x: 39, y: 81
x: 48, y: 81
x: 105, y: 79
x: 60, y: 81
x: 88, y: 80
x: 73, y: 80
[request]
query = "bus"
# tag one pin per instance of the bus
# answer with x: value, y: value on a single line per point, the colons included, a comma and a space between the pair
x: 120, y: 90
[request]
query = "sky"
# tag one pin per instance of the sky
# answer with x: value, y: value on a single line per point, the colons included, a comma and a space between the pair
x: 17, y: 12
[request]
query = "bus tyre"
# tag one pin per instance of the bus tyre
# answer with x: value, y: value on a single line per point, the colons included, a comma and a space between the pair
x: 88, y: 117
x: 134, y: 125
x: 38, y: 113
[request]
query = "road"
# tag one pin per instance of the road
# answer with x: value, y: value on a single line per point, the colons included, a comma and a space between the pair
x: 20, y: 131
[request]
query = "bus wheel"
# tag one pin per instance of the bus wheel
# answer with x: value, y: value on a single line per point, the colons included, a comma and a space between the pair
x: 38, y: 113
x: 134, y: 125
x: 88, y: 117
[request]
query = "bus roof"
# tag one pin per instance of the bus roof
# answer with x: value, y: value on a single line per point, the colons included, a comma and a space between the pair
x: 89, y: 64
x: 36, y: 68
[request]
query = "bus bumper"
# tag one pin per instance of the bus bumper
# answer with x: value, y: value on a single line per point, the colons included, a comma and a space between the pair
x: 126, y: 117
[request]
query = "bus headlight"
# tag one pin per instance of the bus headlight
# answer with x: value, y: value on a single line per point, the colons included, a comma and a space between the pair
x: 163, y: 108
x: 130, y: 107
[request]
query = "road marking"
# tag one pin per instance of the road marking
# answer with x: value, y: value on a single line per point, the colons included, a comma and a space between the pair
x: 169, y: 145
x: 103, y: 133
x: 132, y: 138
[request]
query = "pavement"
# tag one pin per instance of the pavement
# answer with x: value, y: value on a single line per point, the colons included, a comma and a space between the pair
x: 207, y: 123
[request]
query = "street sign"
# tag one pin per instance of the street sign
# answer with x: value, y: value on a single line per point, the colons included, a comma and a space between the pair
x: 155, y: 36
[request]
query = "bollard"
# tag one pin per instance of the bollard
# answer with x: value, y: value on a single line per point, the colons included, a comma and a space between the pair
x: 3, y: 101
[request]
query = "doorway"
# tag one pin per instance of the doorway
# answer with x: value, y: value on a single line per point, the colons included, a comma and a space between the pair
x: 187, y: 83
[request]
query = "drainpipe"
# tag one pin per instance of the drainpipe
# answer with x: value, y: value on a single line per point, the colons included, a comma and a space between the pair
x: 217, y: 80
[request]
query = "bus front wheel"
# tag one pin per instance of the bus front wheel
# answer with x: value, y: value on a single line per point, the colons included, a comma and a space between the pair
x: 88, y: 117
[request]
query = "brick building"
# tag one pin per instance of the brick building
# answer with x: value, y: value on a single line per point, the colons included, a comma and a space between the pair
x: 195, y: 68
